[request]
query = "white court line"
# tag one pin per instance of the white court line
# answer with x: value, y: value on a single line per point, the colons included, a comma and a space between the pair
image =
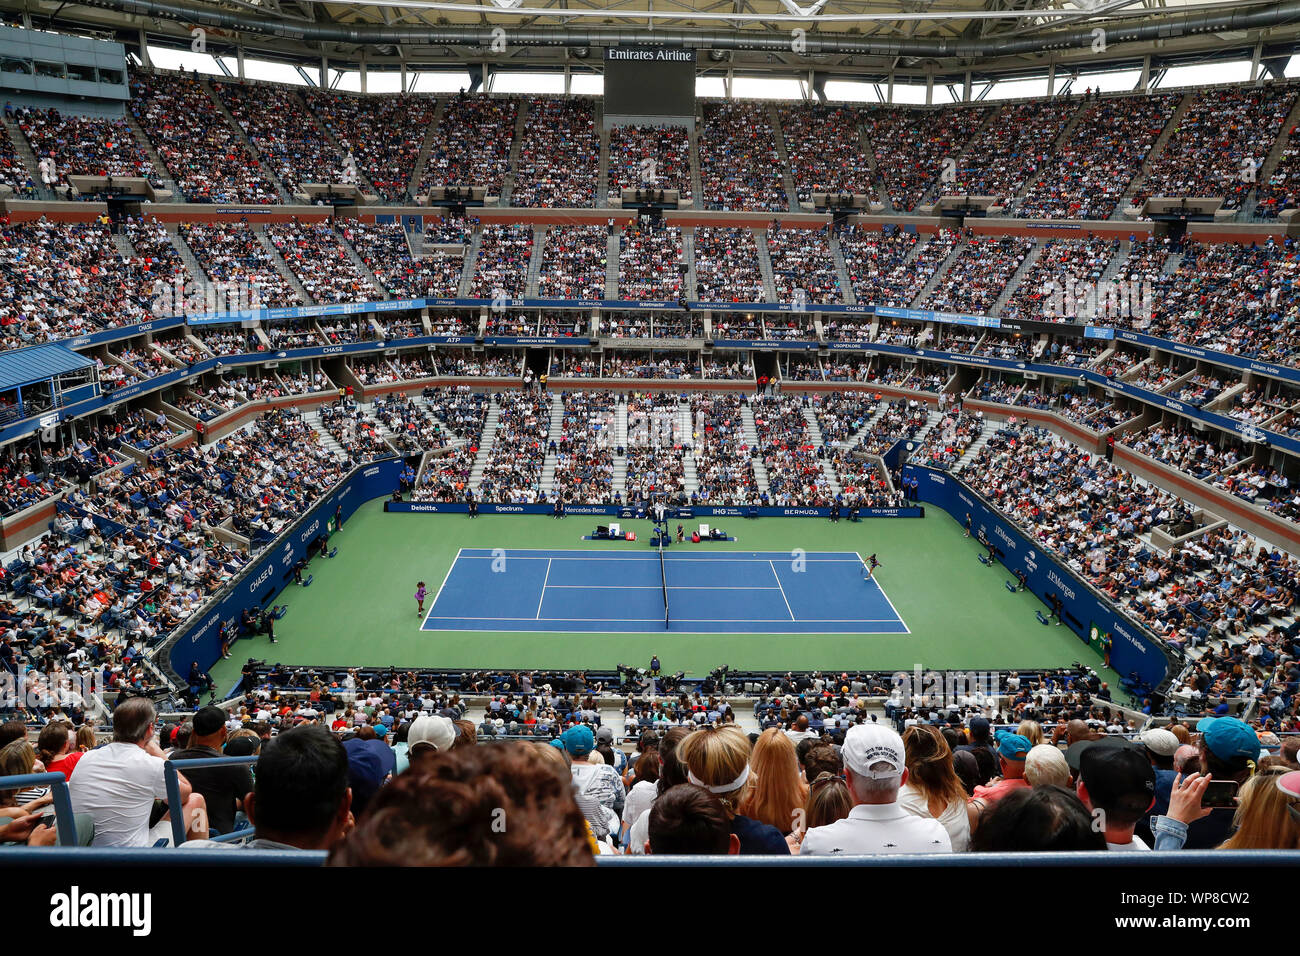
x: 772, y: 565
x: 597, y: 555
x: 655, y: 620
x: 651, y: 587
x: 872, y: 579
x: 543, y: 597
x: 440, y: 587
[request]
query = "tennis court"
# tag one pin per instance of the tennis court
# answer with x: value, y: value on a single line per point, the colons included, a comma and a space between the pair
x: 770, y: 592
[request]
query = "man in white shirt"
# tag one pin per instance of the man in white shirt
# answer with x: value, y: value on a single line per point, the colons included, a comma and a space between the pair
x: 1118, y: 786
x: 875, y: 768
x: 117, y: 784
x: 799, y: 731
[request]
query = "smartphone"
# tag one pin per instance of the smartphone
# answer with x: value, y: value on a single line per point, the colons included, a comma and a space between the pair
x: 1220, y: 793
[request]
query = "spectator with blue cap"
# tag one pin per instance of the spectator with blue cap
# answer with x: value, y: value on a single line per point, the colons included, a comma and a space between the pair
x: 1012, y: 749
x: 600, y: 781
x: 1228, y: 751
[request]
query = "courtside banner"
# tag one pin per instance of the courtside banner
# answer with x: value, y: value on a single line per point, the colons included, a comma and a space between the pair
x: 263, y: 577
x: 1135, y: 648
x: 627, y: 511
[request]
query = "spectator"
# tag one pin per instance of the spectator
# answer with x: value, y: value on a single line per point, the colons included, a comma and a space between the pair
x: 222, y: 788
x: 1042, y: 819
x: 875, y: 769
x: 452, y: 815
x: 933, y: 790
x: 775, y: 793
x: 717, y: 759
x: 690, y: 820
x: 1118, y: 785
x: 118, y: 783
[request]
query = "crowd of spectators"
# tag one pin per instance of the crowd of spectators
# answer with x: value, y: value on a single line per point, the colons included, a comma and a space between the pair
x: 881, y: 267
x: 803, y: 269
x: 559, y: 156
x: 384, y: 248
x: 462, y: 412
x: 471, y: 145
x: 726, y: 265
x: 573, y: 263
x: 231, y: 253
x: 913, y: 147
x: 85, y: 145
x: 294, y: 146
x: 739, y: 165
x: 383, y: 134
x: 204, y: 155
x: 793, y: 462
x: 655, y: 464
x: 948, y: 440
x: 979, y: 275
x: 1220, y: 133
x: 825, y: 149
x: 1089, y: 173
x: 650, y: 262
x: 501, y: 268
x: 316, y: 255
x: 584, y: 449
x: 1006, y: 153
x: 1064, y: 267
x: 723, y: 458
x: 513, y: 471
x: 641, y: 153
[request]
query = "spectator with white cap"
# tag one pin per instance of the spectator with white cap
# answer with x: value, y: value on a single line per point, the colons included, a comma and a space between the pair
x: 430, y: 735
x: 875, y: 767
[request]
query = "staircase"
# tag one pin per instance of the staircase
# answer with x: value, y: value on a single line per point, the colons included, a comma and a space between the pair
x: 485, y: 444
x: 765, y: 265
x: 611, y: 264
x: 1157, y: 148
x: 938, y: 276
x: 471, y: 258
x: 27, y: 155
x: 975, y: 447
x: 750, y: 431
x: 819, y: 441
x: 877, y: 181
x: 281, y: 266
x: 547, y: 482
x: 196, y: 271
x: 123, y: 246
x: 842, y: 271
x: 1014, y: 281
x: 783, y: 155
x: 313, y: 421
x: 535, y: 263
x: 691, y: 291
x: 512, y: 168
x: 256, y: 153
x: 686, y: 429
x: 619, y: 440
x: 161, y: 172
x: 1117, y: 261
x: 697, y: 186
x: 602, y: 172
x: 426, y: 148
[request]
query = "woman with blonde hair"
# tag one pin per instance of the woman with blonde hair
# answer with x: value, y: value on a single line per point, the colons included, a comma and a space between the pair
x: 933, y: 788
x: 775, y: 792
x: 86, y: 738
x: 1032, y: 731
x: 1263, y: 820
x: 717, y: 759
x: 829, y: 800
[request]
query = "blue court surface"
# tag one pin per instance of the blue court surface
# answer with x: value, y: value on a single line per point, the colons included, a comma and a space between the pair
x: 733, y: 592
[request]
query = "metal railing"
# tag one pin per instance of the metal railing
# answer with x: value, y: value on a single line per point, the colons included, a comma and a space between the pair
x: 171, y: 772
x: 63, y: 819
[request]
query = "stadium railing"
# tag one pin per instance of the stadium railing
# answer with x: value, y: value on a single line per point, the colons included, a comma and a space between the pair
x: 101, y: 857
x: 171, y: 768
x: 63, y: 819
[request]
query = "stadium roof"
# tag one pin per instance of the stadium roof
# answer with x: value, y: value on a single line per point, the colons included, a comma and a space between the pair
x: 863, y: 37
x: 38, y: 363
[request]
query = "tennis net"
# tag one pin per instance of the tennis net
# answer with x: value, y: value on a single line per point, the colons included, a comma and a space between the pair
x: 663, y: 576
